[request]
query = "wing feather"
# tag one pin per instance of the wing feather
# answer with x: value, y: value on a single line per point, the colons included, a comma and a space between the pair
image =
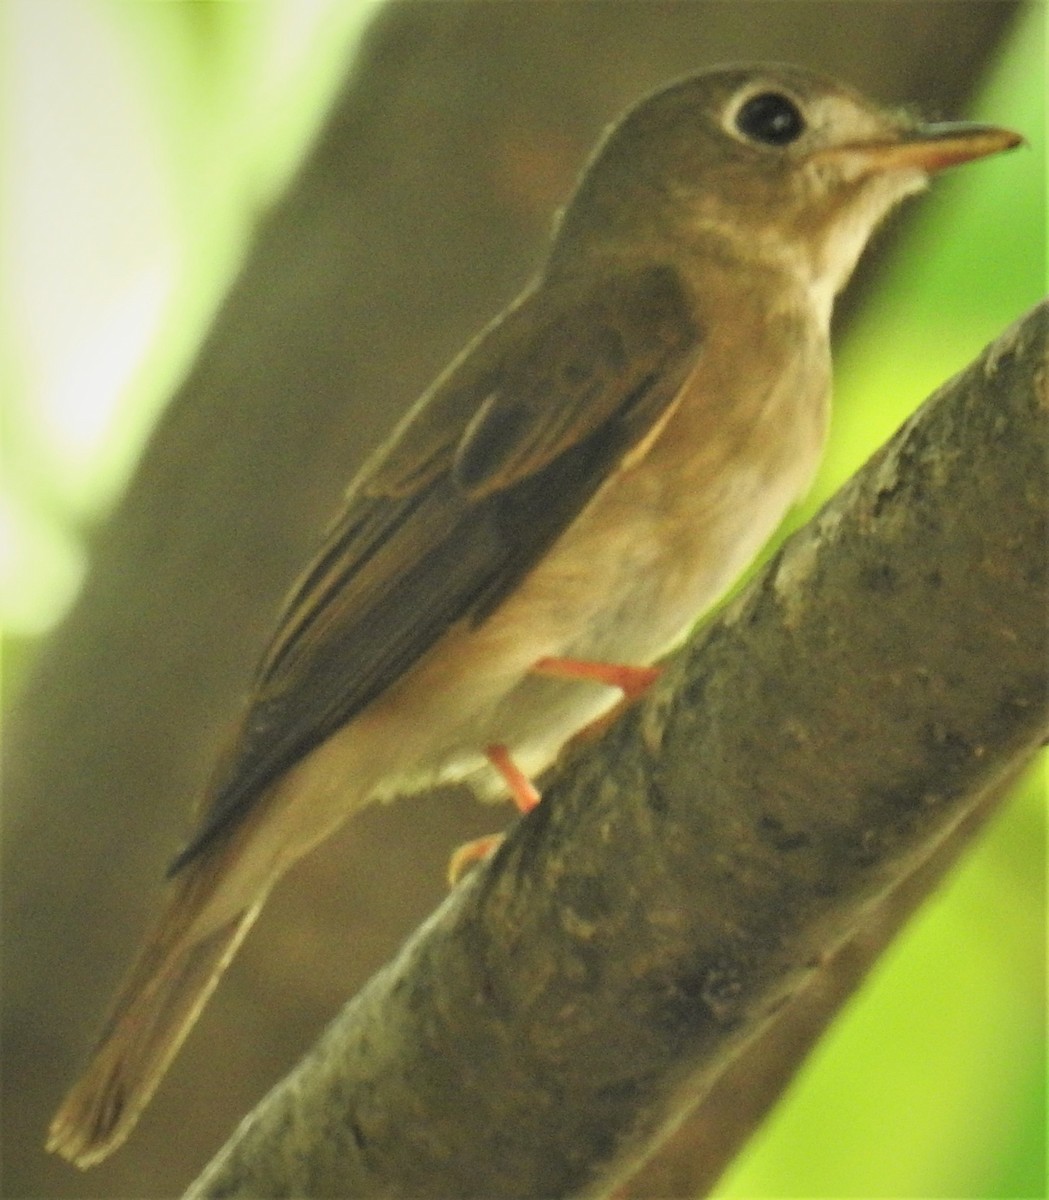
x: 474, y: 486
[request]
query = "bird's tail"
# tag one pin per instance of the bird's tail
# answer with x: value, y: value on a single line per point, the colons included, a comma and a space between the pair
x: 161, y: 997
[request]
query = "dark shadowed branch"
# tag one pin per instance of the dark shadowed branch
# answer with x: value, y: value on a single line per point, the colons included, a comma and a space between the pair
x: 705, y: 882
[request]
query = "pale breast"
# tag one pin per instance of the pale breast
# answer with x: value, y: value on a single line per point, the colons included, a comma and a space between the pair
x: 658, y: 544
x: 661, y: 541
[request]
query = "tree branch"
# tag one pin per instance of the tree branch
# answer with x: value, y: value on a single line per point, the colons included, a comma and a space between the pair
x: 708, y: 1138
x: 701, y: 864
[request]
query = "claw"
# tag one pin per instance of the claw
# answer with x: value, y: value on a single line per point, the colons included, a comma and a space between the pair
x: 525, y: 796
x: 465, y: 857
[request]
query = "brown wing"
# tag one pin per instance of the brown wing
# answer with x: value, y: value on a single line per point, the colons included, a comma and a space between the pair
x: 488, y: 469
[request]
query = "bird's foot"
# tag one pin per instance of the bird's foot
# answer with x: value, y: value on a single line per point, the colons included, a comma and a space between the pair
x: 523, y: 793
x: 631, y: 681
x: 469, y: 854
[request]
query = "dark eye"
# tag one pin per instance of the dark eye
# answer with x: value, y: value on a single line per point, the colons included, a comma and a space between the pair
x: 771, y: 118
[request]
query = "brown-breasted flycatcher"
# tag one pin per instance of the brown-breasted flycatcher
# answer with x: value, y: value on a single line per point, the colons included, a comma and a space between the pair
x: 552, y: 516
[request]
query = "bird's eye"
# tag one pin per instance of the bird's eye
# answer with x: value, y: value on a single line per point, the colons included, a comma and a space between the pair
x: 770, y: 118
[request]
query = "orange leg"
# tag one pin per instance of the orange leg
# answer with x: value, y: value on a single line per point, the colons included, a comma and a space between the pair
x: 631, y: 681
x: 523, y: 791
x: 525, y: 796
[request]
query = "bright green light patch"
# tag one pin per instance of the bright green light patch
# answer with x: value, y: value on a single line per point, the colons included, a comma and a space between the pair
x: 41, y: 569
x: 90, y: 246
x: 142, y: 141
x: 78, y: 391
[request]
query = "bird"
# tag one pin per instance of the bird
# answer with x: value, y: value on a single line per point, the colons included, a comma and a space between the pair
x: 551, y: 518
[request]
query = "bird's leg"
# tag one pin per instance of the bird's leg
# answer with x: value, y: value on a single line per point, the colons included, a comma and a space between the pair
x: 631, y: 681
x: 523, y: 793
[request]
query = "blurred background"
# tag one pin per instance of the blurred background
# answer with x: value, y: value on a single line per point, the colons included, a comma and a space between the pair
x: 238, y: 239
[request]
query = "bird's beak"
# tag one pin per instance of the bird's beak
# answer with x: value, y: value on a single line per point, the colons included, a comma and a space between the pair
x: 927, y: 148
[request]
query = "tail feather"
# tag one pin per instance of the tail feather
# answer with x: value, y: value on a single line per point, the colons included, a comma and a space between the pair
x: 155, y: 1009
